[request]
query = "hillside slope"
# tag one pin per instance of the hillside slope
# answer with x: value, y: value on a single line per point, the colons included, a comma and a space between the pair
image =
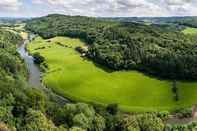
x: 124, y: 46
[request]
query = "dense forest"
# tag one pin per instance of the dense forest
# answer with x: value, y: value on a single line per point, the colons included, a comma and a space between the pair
x: 189, y: 21
x: 153, y: 49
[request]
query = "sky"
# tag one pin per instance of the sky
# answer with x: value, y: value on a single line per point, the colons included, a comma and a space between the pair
x: 98, y: 8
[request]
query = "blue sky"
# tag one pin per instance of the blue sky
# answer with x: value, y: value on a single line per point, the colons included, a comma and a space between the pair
x: 106, y: 8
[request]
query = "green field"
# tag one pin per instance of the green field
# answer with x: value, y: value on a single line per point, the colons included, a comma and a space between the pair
x: 190, y: 31
x: 82, y: 80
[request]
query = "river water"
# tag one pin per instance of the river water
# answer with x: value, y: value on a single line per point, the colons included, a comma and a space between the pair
x: 33, y: 70
x: 34, y: 73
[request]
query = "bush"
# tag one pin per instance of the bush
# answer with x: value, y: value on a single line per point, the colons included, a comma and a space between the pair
x: 112, y: 108
x: 76, y: 129
x: 183, y: 112
x: 150, y: 122
x: 127, y: 123
x: 37, y: 121
x: 38, y: 59
x: 186, y: 127
x: 163, y: 115
x: 80, y: 49
x: 4, y: 127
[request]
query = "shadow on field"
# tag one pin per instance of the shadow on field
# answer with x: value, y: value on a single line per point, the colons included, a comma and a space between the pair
x: 105, y: 68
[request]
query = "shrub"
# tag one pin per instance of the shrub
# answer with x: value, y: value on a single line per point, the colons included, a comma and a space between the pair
x: 38, y: 59
x: 112, y: 108
x: 80, y: 49
x: 37, y: 121
x: 76, y: 129
x: 150, y: 122
x: 183, y: 112
x: 127, y: 123
x: 163, y: 115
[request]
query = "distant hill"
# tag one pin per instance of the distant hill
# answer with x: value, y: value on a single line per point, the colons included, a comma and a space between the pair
x: 190, y: 21
x: 8, y: 20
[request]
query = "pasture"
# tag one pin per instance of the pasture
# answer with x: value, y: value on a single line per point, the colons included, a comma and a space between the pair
x: 190, y: 31
x: 82, y: 80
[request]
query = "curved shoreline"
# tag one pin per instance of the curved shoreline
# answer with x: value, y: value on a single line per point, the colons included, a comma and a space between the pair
x: 172, y: 119
x: 34, y: 73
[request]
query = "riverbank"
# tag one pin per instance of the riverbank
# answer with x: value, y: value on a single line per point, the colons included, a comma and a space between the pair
x: 79, y: 79
x: 34, y: 73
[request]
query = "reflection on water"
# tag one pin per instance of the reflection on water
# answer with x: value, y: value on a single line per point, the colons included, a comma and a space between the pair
x: 35, y: 73
x: 33, y: 69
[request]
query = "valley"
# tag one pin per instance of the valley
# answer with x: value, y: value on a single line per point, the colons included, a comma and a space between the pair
x: 78, y: 73
x: 80, y: 79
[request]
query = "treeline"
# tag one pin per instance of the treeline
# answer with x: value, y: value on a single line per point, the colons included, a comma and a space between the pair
x: 21, y: 107
x: 153, y: 49
x: 188, y: 21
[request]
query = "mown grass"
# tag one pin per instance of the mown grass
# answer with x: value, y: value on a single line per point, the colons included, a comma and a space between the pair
x: 81, y: 80
x: 190, y: 31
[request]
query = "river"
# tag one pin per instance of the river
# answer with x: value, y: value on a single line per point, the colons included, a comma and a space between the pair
x: 33, y: 70
x: 34, y: 73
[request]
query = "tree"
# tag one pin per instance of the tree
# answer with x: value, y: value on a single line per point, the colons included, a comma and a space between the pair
x: 6, y: 115
x: 175, y: 90
x: 80, y: 120
x: 38, y: 59
x: 36, y: 121
x: 112, y: 109
x: 77, y: 129
x: 98, y: 123
x: 150, y: 122
x: 4, y: 127
x: 127, y: 123
x: 120, y: 45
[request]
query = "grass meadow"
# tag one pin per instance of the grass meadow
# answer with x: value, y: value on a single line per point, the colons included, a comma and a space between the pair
x: 81, y: 80
x: 190, y: 31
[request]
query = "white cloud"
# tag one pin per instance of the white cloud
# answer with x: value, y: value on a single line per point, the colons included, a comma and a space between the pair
x: 10, y: 5
x: 105, y: 7
x: 178, y: 2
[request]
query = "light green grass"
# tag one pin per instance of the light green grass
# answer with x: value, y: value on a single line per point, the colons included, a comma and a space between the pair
x: 79, y: 79
x: 190, y: 31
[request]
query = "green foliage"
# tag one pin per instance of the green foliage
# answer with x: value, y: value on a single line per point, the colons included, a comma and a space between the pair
x: 175, y: 91
x: 81, y: 115
x: 99, y: 123
x: 80, y: 120
x: 184, y: 127
x: 84, y: 79
x: 37, y: 99
x: 163, y: 115
x: 38, y: 59
x: 188, y: 21
x: 6, y: 115
x: 150, y: 122
x: 26, y: 109
x: 5, y: 127
x: 9, y: 39
x: 36, y: 121
x: 183, y: 112
x: 112, y: 109
x: 190, y: 31
x: 120, y: 45
x: 15, y: 96
x: 127, y: 123
x: 76, y: 129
